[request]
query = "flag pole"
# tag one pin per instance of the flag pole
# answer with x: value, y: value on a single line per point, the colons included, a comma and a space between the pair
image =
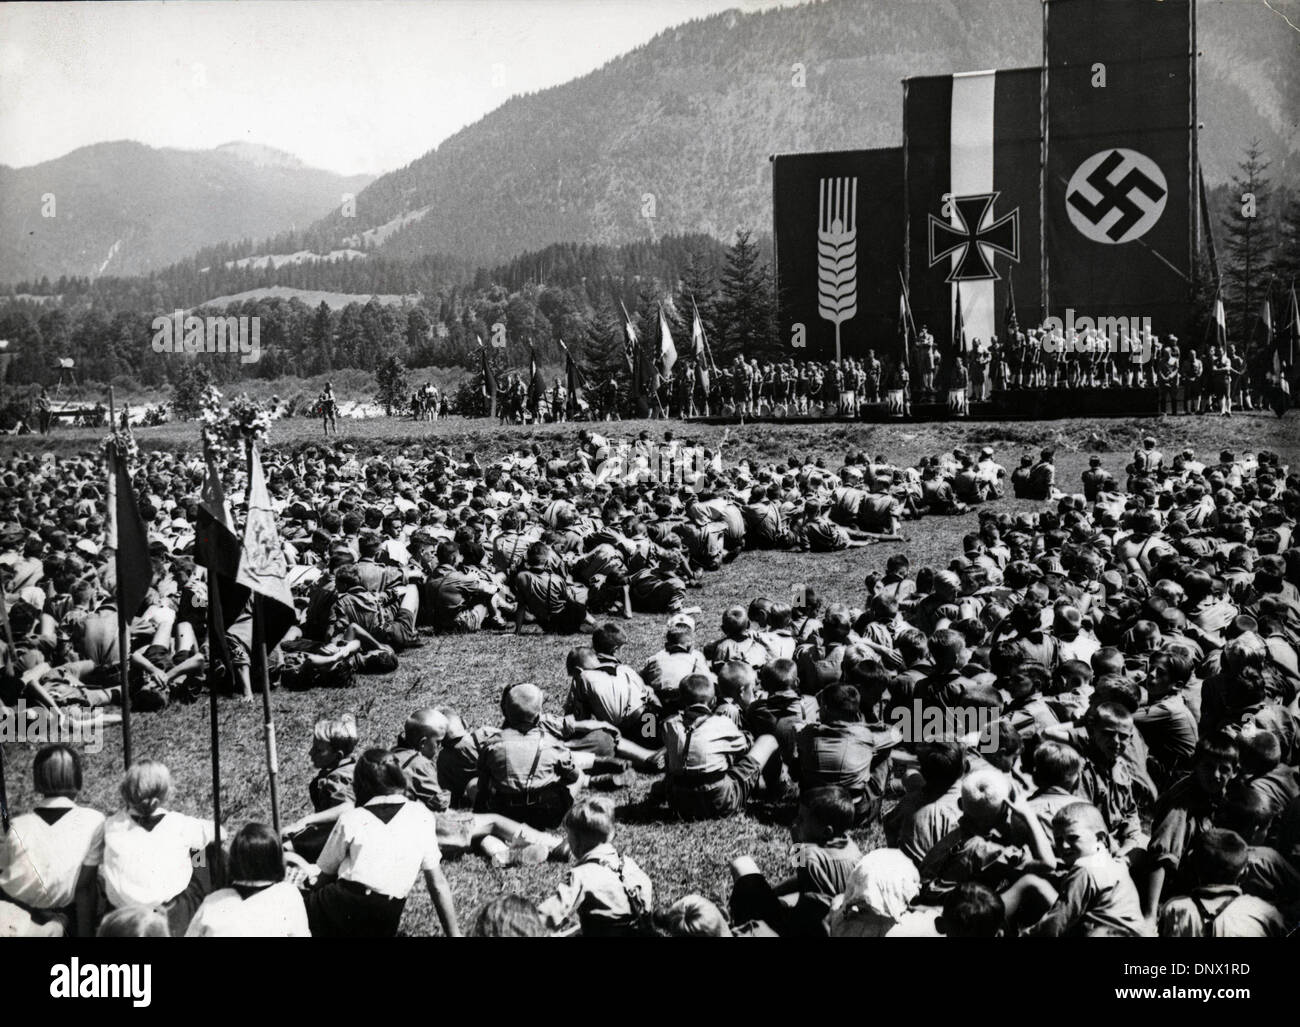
x: 216, y: 630
x: 123, y: 642
x: 264, y: 677
x: 658, y: 363
x: 9, y: 669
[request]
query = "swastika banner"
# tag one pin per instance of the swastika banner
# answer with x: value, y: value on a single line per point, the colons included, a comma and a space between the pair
x: 838, y: 220
x: 1120, y: 159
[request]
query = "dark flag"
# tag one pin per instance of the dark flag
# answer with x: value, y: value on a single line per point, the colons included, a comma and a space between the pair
x: 1281, y: 398
x: 489, y: 379
x: 1289, y: 337
x: 1010, y: 322
x: 973, y: 151
x: 1120, y: 109
x: 572, y: 379
x: 132, y: 555
x: 217, y: 549
x: 958, y: 328
x: 642, y: 383
x: 1284, y: 347
x: 648, y: 359
x: 838, y: 224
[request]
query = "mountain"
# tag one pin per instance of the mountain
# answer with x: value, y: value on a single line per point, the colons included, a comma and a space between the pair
x: 681, y: 128
x: 125, y: 208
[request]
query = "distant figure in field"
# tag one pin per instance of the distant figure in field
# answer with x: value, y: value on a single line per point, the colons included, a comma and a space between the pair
x: 329, y: 409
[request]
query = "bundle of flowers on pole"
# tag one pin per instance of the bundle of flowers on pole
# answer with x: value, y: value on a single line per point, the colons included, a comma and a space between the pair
x: 227, y: 431
x: 120, y: 444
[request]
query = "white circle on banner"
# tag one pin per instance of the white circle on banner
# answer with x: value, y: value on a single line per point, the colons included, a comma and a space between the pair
x: 1116, y: 196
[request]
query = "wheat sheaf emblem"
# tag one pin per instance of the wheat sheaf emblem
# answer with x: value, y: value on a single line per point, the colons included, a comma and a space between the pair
x: 837, y: 252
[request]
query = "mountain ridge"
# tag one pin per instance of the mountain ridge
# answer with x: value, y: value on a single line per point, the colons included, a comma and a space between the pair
x: 123, y: 207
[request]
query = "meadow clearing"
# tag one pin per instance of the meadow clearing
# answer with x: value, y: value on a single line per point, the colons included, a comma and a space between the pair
x: 468, y: 672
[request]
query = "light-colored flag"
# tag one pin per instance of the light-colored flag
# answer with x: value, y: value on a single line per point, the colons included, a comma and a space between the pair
x: 262, y: 565
x: 667, y: 348
x: 699, y: 349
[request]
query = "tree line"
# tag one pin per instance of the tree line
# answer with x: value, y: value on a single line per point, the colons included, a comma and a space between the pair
x: 570, y: 292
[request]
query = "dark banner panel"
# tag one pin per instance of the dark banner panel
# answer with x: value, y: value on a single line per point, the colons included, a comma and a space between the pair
x: 1120, y: 159
x: 838, y: 221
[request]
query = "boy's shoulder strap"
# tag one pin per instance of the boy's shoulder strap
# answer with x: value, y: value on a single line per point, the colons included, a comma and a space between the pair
x: 1208, y: 918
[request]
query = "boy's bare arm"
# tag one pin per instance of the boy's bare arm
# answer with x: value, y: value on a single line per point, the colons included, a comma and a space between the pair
x: 325, y: 816
x: 440, y: 893
x: 1040, y: 845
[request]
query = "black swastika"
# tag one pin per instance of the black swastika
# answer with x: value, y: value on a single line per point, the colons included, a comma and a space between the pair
x: 1116, y: 196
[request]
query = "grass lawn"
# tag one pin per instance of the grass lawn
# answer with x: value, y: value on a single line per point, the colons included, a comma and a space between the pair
x: 468, y: 672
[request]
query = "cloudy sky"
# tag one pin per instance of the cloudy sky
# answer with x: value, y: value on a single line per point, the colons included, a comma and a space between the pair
x: 350, y: 85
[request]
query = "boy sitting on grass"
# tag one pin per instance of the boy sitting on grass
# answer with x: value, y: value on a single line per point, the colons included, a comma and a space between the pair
x: 1184, y: 813
x: 823, y: 858
x: 711, y: 767
x: 606, y: 892
x: 1096, y: 896
x: 1216, y: 907
x: 997, y: 843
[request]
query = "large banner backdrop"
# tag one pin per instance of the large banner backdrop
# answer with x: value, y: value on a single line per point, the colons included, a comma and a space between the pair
x: 972, y: 148
x: 838, y: 220
x: 1120, y: 159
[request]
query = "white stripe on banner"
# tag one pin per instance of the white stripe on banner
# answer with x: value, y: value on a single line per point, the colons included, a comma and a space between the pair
x: 971, y: 173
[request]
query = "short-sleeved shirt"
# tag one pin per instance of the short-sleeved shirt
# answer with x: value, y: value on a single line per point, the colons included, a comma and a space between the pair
x: 746, y: 649
x: 453, y: 591
x: 383, y: 845
x: 822, y: 535
x: 1179, y: 819
x: 852, y: 755
x: 595, y: 890
x: 276, y: 911
x: 544, y: 594
x: 930, y: 824
x: 1047, y: 802
x: 1230, y: 914
x: 458, y: 760
x: 42, y: 855
x: 1269, y: 876
x: 1169, y: 730
x: 668, y: 667
x: 995, y: 859
x: 612, y: 693
x: 1097, y: 895
x: 825, y: 869
x: 148, y: 866
x: 704, y: 744
x: 518, y: 762
x: 1279, y: 787
x: 1110, y: 789
x: 422, y: 780
x: 510, y: 549
x: 332, y: 787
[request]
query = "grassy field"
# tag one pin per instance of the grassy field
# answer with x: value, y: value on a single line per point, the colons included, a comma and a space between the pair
x: 469, y: 671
